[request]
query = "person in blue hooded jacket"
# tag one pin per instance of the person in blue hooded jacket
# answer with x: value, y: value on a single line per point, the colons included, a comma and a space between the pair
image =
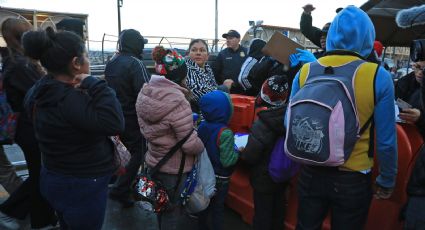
x: 346, y: 190
x: 217, y: 109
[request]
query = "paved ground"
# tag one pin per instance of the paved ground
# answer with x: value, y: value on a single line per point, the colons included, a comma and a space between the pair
x: 118, y: 218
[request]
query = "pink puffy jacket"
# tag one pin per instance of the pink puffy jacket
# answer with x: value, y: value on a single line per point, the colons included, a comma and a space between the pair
x: 165, y: 117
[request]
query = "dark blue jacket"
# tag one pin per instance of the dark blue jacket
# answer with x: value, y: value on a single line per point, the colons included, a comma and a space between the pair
x: 228, y: 64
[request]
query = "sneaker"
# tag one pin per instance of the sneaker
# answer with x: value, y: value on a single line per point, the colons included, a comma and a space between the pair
x: 8, y: 222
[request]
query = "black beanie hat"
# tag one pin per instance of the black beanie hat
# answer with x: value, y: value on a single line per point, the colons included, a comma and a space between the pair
x: 72, y: 24
x: 131, y: 41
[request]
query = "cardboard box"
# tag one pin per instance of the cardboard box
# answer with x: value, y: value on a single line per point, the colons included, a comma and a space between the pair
x: 280, y: 47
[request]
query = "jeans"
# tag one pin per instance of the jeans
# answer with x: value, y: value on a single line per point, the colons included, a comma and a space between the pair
x: 346, y: 194
x: 173, y: 218
x: 8, y: 178
x: 136, y: 145
x: 216, y: 207
x: 415, y: 214
x: 79, y: 202
x: 269, y: 210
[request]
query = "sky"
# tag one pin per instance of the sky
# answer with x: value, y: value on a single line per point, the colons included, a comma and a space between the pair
x: 186, y: 18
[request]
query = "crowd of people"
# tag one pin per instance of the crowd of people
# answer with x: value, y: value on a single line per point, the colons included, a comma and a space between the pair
x: 66, y: 118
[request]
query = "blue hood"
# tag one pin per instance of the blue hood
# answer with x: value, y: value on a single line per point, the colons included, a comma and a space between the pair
x: 216, y: 107
x: 351, y: 30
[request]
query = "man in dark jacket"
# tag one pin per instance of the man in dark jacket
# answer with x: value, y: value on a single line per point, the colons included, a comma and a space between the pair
x: 269, y: 197
x: 408, y: 88
x: 229, y: 61
x: 416, y: 185
x: 126, y: 74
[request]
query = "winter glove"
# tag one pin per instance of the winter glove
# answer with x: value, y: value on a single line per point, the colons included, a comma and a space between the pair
x: 305, y: 56
x: 293, y: 60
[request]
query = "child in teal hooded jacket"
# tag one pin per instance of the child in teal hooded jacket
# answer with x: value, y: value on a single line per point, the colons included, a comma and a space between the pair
x: 217, y: 109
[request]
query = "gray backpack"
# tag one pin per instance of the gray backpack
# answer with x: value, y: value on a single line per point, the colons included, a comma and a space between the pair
x: 322, y: 119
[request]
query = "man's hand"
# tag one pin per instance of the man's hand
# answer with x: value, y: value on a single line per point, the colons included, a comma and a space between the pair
x: 308, y: 8
x: 410, y: 116
x: 382, y: 193
x: 228, y: 83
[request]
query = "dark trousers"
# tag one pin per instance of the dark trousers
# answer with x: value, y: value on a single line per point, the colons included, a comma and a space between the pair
x: 346, y: 194
x: 269, y: 210
x: 175, y: 217
x: 215, y: 210
x: 415, y: 213
x: 79, y: 202
x: 136, y: 145
x: 27, y: 198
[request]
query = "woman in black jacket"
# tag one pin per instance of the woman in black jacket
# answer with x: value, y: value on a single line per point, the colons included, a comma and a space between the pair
x: 269, y: 197
x: 20, y: 73
x: 73, y: 115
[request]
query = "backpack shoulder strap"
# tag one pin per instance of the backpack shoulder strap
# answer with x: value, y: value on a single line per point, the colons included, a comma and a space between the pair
x: 304, y: 72
x: 365, y: 82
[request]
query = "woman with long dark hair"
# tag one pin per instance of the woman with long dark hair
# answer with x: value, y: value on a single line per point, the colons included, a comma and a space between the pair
x: 73, y: 115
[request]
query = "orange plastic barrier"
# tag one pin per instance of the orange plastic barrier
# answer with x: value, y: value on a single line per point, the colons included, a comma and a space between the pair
x: 243, y: 113
x: 383, y: 214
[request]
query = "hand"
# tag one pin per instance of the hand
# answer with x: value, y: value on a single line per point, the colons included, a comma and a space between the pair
x: 410, y: 116
x: 382, y: 193
x: 308, y: 8
x: 293, y: 60
x: 228, y: 83
x: 305, y: 56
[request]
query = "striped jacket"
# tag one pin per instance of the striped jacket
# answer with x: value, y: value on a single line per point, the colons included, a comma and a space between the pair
x: 199, y: 81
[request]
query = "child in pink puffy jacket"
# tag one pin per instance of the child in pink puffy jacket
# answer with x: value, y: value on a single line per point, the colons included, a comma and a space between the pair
x: 165, y: 117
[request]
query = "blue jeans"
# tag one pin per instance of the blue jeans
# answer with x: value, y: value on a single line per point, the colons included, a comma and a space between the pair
x: 216, y: 207
x: 415, y: 213
x: 322, y: 189
x: 80, y: 203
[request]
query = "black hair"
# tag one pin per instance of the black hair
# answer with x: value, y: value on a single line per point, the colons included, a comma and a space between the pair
x: 55, y: 50
x: 196, y: 41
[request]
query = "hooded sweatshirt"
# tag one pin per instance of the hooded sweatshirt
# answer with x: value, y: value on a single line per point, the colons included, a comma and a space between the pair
x: 126, y: 73
x: 165, y: 117
x: 249, y: 66
x: 353, y: 31
x: 72, y: 125
x: 217, y: 109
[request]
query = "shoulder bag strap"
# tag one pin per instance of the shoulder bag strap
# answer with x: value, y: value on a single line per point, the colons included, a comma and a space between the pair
x: 170, y: 154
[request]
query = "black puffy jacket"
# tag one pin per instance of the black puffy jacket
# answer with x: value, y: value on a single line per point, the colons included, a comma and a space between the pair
x: 264, y: 133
